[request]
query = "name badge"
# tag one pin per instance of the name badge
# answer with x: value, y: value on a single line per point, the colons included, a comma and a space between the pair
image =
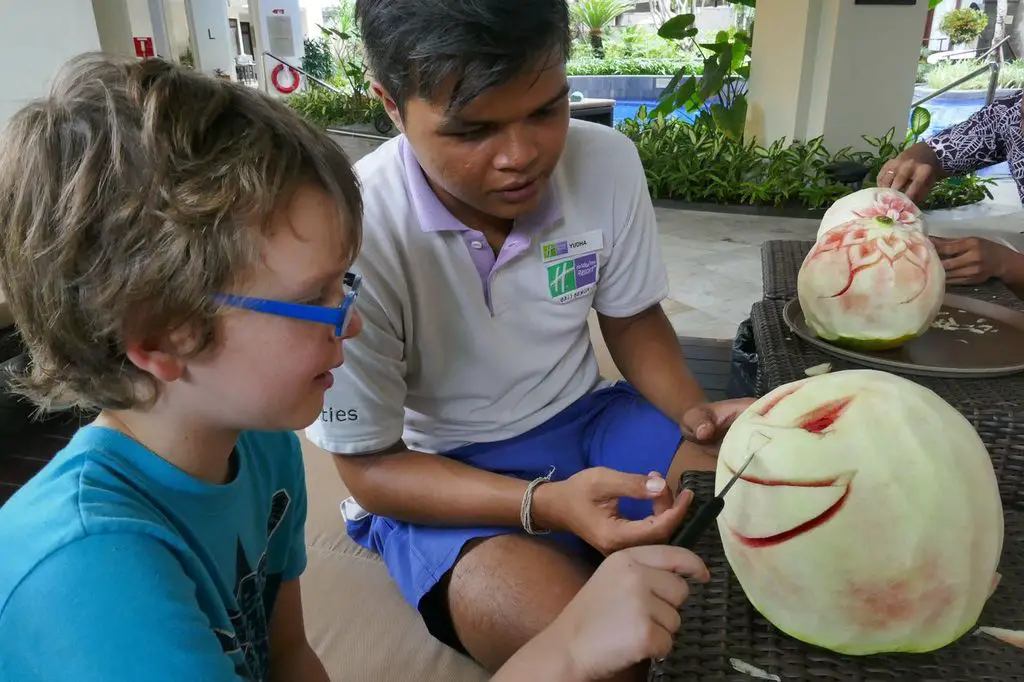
x: 588, y: 242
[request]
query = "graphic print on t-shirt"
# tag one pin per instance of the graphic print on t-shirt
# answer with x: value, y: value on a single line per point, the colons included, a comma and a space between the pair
x: 255, y: 593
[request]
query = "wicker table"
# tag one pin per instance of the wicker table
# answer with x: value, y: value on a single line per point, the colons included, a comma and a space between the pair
x: 721, y: 628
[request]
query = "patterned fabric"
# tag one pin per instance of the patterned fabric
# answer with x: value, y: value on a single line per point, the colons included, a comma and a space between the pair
x: 990, y: 136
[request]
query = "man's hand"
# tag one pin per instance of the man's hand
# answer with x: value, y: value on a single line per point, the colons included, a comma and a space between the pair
x: 628, y: 612
x: 707, y: 423
x: 587, y: 504
x: 914, y: 172
x: 971, y: 260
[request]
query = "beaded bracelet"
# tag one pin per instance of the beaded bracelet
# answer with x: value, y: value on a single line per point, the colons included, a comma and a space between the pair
x: 525, y: 512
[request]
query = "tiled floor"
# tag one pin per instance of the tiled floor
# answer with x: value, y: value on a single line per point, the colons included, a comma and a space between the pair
x: 714, y: 266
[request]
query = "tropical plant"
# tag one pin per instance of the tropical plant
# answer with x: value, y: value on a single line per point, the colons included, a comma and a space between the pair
x: 317, y: 59
x: 698, y: 163
x: 948, y: 192
x: 723, y: 77
x: 963, y: 25
x: 1011, y: 74
x: 595, y: 16
x: 628, y: 66
x: 351, y: 98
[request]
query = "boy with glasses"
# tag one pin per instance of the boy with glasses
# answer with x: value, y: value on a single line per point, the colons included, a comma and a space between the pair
x: 175, y: 250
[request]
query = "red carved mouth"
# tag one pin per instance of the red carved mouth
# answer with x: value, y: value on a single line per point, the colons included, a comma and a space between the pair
x: 794, y: 528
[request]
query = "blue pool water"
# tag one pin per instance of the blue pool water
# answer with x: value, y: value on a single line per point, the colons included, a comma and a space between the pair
x: 945, y: 112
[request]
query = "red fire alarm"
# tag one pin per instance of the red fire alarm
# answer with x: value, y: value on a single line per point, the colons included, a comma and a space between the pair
x: 144, y: 47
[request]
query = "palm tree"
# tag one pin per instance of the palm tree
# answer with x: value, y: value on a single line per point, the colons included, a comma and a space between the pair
x: 595, y: 15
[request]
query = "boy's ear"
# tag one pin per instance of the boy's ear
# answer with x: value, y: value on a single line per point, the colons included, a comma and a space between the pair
x: 160, y: 355
x: 389, y: 104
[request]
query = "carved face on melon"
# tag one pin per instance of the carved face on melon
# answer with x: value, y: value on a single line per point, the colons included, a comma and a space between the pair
x: 868, y: 521
x: 871, y: 284
x: 874, y: 202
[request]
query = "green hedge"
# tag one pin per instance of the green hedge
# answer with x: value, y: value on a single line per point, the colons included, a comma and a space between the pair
x: 325, y: 108
x: 697, y: 163
x: 628, y: 66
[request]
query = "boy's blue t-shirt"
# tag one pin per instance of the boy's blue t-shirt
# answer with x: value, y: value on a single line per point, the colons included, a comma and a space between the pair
x: 116, y: 565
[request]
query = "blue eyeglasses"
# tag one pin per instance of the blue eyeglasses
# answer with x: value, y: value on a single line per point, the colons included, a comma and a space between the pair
x: 339, y: 317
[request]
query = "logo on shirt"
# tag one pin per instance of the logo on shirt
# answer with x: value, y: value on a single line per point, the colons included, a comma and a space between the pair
x: 247, y: 641
x: 555, y: 249
x: 588, y: 242
x: 570, y: 279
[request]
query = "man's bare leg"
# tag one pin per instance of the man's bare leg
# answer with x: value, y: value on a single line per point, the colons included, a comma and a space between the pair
x: 504, y: 590
x: 690, y: 457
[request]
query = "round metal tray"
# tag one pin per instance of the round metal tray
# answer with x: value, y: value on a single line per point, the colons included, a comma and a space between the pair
x: 969, y: 338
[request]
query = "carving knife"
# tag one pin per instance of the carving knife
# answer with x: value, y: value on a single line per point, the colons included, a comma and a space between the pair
x: 693, y: 529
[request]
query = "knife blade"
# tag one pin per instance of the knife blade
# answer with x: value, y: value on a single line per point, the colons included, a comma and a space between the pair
x: 692, y: 530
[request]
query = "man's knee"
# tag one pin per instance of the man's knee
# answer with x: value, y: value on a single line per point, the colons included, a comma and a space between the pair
x: 690, y: 457
x: 506, y: 589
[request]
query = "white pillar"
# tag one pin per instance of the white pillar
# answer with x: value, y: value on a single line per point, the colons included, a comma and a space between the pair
x: 161, y: 31
x: 278, y: 29
x: 37, y: 38
x: 833, y: 68
x: 114, y: 25
x: 211, y: 36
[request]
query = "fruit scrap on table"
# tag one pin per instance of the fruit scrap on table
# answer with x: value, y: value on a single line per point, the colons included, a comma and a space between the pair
x: 823, y: 368
x: 1014, y: 637
x: 744, y: 667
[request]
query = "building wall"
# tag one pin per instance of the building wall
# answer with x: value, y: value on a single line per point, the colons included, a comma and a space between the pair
x: 38, y: 37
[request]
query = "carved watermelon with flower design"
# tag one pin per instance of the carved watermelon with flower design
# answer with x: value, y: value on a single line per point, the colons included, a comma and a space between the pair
x: 874, y: 202
x: 871, y: 283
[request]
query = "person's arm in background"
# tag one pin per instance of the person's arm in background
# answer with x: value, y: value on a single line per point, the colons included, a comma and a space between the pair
x: 628, y: 612
x: 973, y: 144
x: 973, y: 260
x: 638, y: 333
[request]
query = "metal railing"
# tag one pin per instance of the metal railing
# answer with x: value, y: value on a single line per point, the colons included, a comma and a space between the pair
x: 993, y: 79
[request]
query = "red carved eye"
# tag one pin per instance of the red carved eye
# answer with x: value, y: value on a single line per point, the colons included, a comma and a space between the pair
x: 774, y: 402
x: 821, y: 418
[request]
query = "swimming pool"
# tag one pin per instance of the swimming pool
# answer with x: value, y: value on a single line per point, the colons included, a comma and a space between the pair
x: 945, y: 112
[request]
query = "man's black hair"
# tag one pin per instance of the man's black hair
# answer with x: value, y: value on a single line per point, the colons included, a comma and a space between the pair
x: 414, y: 47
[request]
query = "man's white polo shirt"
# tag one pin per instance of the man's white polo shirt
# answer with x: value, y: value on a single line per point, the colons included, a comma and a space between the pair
x: 459, y: 345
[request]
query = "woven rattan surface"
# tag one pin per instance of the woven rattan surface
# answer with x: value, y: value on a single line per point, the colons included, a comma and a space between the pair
x: 720, y: 625
x: 781, y: 260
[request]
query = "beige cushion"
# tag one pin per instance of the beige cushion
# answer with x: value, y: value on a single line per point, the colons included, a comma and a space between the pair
x: 356, y: 618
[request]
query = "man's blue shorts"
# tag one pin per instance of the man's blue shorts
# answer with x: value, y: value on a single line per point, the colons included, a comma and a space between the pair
x: 612, y: 427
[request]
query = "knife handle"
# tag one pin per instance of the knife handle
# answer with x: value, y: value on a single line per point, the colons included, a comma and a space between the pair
x: 692, y: 530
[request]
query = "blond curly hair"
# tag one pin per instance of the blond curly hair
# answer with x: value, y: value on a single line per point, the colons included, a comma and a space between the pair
x: 129, y: 197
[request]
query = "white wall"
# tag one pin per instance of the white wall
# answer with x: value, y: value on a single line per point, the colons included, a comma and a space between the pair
x: 833, y: 68
x: 177, y: 26
x: 38, y: 37
x: 138, y: 14
x: 114, y: 26
x: 211, y: 36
